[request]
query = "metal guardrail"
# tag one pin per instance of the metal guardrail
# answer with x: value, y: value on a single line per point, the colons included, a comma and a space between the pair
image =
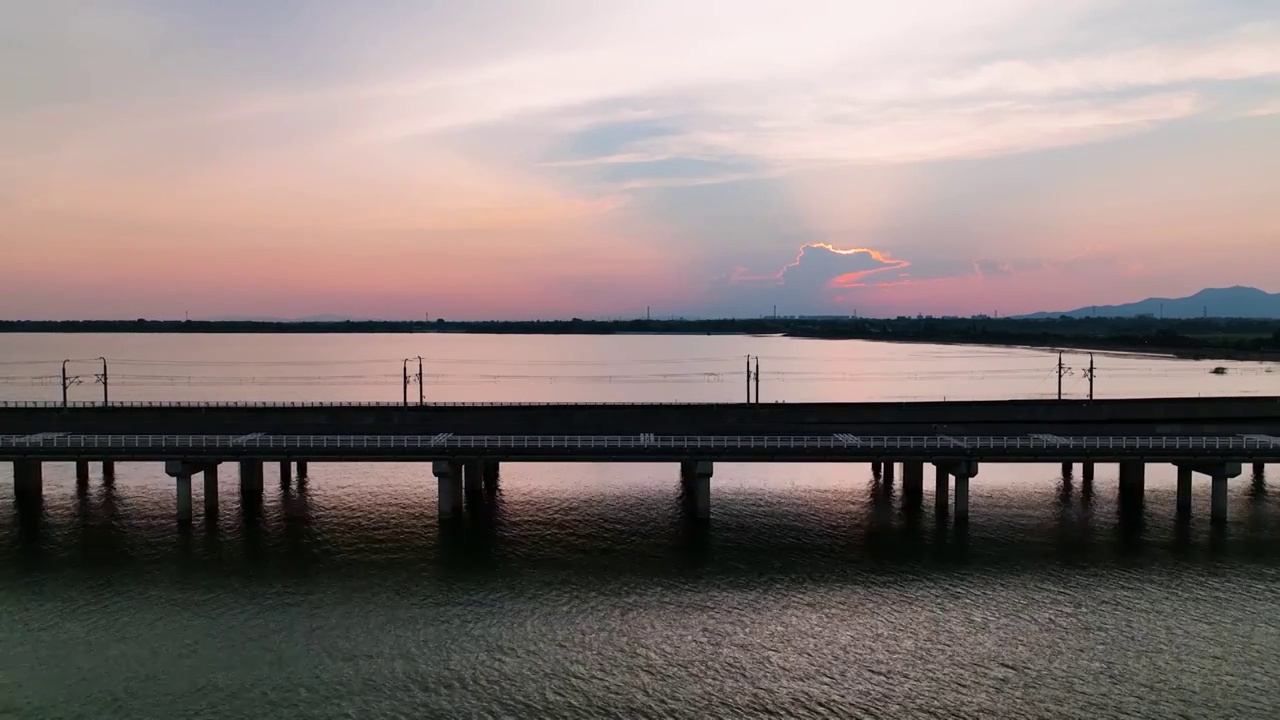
x: 630, y: 442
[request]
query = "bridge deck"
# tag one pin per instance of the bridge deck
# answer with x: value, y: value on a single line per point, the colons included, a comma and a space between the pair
x: 841, y: 447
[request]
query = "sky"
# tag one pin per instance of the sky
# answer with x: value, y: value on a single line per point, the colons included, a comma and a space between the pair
x: 514, y: 159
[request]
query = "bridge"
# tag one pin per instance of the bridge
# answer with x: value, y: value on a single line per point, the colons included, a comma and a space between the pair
x: 467, y: 443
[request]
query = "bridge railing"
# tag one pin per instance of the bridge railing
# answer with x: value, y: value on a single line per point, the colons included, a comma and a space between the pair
x: 887, y: 444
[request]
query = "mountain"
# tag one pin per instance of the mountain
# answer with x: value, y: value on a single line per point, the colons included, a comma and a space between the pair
x: 1233, y: 302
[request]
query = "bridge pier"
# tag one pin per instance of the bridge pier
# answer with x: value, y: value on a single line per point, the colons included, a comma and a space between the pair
x: 1133, y: 481
x: 489, y: 476
x: 473, y: 480
x: 82, y: 472
x: 913, y: 480
x: 1219, y: 472
x: 448, y: 488
x: 211, y: 489
x: 250, y: 479
x: 181, y: 472
x: 28, y: 479
x: 1184, y: 492
x: 695, y: 479
x: 962, y: 471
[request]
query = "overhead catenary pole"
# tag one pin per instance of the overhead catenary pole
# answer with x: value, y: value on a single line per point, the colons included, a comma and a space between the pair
x: 404, y: 368
x: 421, y: 392
x: 1092, y: 371
x: 1061, y: 371
x: 757, y: 379
x: 103, y: 378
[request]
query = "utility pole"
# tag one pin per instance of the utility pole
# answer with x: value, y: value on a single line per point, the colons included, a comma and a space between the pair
x: 1061, y: 371
x: 421, y: 391
x: 1092, y: 370
x: 757, y: 379
x: 103, y: 379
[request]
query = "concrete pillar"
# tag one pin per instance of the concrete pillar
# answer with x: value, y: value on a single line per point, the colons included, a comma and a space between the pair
x: 448, y: 487
x: 302, y: 469
x: 1184, y: 492
x: 28, y: 479
x: 108, y: 472
x: 251, y: 478
x: 695, y: 476
x: 941, y: 489
x: 82, y: 471
x: 489, y: 475
x: 1086, y: 470
x: 211, y: 489
x: 1133, y: 480
x: 913, y: 479
x: 1218, y: 500
x: 962, y: 498
x: 473, y: 478
x: 184, y: 498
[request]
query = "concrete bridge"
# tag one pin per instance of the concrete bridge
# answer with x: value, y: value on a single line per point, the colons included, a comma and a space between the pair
x: 466, y: 443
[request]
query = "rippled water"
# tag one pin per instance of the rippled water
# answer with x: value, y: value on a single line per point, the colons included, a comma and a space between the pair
x: 585, y: 591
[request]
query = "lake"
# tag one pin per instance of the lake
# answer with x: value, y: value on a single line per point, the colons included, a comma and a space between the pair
x: 586, y: 593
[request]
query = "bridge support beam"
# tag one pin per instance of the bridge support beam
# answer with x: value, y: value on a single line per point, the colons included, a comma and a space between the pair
x: 1184, y: 492
x: 941, y: 489
x: 1220, y: 472
x: 211, y: 489
x: 448, y: 488
x: 695, y: 479
x: 28, y: 479
x: 913, y: 480
x: 82, y: 472
x: 962, y: 471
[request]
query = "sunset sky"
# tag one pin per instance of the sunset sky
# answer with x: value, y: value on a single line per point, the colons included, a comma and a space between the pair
x: 555, y: 158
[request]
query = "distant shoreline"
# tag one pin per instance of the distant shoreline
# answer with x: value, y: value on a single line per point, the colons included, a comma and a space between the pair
x: 1200, y: 338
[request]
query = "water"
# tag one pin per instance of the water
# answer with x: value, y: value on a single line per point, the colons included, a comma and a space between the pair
x: 585, y: 592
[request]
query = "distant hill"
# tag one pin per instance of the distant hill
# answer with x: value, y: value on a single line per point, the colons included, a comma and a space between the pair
x: 1232, y: 302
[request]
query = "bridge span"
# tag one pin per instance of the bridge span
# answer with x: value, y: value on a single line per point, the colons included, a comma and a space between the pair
x: 466, y: 444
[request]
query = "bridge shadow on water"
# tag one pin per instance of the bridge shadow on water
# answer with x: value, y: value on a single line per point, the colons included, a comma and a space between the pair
x: 814, y: 535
